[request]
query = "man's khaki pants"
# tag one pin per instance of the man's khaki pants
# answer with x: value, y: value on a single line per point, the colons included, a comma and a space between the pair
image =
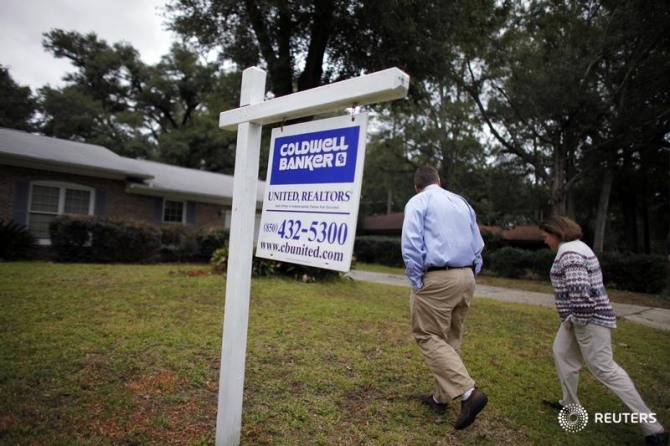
x: 592, y: 344
x: 438, y: 323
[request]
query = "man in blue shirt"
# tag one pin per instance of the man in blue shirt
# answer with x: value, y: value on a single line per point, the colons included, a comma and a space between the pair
x: 441, y: 248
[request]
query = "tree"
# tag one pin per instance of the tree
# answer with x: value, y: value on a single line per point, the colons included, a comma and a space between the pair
x: 440, y: 125
x: 167, y: 112
x: 531, y: 87
x: 17, y: 104
x: 573, y: 93
x: 305, y: 44
x: 438, y: 129
x: 98, y: 104
x: 634, y: 78
x: 575, y: 89
x: 200, y: 143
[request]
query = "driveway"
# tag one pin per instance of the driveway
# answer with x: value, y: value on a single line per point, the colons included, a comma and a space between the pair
x: 651, y: 317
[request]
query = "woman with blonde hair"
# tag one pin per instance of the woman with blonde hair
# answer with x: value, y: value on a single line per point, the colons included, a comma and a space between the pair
x: 587, y: 319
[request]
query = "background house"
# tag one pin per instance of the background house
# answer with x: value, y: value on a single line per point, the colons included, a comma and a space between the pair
x: 43, y: 177
x: 524, y: 236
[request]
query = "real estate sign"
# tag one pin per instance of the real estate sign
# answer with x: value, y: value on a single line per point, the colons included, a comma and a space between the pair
x: 313, y: 189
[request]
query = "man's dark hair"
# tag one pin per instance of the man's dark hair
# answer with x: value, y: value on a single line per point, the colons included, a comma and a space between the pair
x: 425, y: 176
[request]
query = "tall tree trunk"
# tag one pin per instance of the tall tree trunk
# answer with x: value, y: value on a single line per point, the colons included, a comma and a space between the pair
x: 389, y: 201
x: 311, y: 76
x: 644, y: 203
x: 558, y: 187
x: 603, y: 206
x: 646, y: 226
x: 630, y: 219
x: 629, y: 204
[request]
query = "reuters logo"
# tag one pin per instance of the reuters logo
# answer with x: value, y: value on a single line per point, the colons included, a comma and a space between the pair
x: 573, y: 418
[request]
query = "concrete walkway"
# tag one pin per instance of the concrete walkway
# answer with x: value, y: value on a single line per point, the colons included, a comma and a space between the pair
x: 651, y: 317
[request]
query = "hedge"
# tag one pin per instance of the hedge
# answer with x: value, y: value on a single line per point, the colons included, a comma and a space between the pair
x: 16, y: 241
x: 378, y: 250
x: 642, y: 273
x: 93, y: 239
x: 211, y: 239
x: 78, y: 238
x: 516, y: 263
x: 178, y: 242
x: 632, y: 272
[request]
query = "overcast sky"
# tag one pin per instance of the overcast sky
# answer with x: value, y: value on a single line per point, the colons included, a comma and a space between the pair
x: 22, y: 22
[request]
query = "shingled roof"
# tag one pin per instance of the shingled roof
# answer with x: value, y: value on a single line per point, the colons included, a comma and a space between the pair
x: 29, y: 150
x: 24, y: 149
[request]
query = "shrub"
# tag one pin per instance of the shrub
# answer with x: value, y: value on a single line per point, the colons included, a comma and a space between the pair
x: 493, y: 241
x: 378, y: 250
x: 508, y: 262
x: 92, y: 239
x: 16, y: 241
x: 259, y: 267
x: 219, y: 260
x: 178, y: 242
x: 542, y: 260
x: 307, y: 273
x: 125, y: 241
x: 492, y: 238
x: 632, y: 272
x: 71, y: 238
x: 211, y: 239
x: 636, y: 272
x: 516, y: 262
x: 263, y: 267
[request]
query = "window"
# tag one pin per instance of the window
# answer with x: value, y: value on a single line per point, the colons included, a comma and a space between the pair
x: 50, y: 199
x: 226, y: 214
x: 173, y: 211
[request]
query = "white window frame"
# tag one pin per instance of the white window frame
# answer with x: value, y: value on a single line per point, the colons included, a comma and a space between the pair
x: 63, y: 187
x: 183, y: 211
x: 226, y: 215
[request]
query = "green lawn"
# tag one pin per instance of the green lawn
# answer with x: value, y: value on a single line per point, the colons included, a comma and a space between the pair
x: 129, y: 355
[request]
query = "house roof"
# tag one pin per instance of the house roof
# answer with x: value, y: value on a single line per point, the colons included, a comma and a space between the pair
x: 187, y: 183
x: 391, y: 224
x: 23, y: 149
x: 29, y: 150
x: 384, y: 224
x: 524, y: 233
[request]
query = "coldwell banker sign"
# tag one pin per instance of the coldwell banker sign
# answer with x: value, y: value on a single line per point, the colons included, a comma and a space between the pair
x: 312, y: 192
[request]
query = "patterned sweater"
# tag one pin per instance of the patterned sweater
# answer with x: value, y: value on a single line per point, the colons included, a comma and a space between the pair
x: 578, y: 286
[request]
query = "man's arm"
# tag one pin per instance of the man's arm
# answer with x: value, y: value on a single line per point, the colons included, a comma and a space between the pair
x: 413, y: 248
x: 477, y: 242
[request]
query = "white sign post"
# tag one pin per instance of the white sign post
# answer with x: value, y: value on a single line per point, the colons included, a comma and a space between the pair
x: 248, y: 119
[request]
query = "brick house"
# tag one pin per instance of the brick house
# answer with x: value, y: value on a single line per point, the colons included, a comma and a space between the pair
x: 42, y: 177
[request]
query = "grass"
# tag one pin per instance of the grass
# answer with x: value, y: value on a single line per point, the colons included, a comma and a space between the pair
x: 129, y: 355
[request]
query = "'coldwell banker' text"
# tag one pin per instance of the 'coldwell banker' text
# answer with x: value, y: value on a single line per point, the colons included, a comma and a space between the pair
x: 313, y: 154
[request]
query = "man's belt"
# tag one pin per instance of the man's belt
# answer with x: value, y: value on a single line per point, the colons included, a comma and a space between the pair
x: 444, y: 268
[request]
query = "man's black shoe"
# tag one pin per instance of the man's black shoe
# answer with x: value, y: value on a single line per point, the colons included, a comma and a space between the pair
x: 659, y: 439
x: 428, y: 400
x: 470, y: 408
x: 553, y: 404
